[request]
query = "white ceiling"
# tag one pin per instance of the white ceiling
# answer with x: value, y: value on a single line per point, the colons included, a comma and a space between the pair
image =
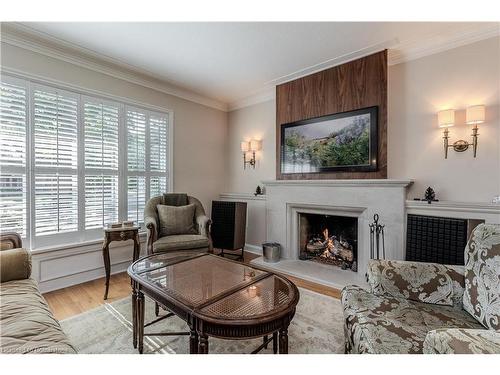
x: 229, y: 62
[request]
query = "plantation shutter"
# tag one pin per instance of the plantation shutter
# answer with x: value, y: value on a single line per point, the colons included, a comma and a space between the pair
x: 13, y: 130
x: 55, y: 118
x: 101, y: 123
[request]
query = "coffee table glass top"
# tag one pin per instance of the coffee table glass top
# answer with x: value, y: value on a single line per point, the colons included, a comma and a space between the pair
x: 195, y: 280
x: 262, y: 297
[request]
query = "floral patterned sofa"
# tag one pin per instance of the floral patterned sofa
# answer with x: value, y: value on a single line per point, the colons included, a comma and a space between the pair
x: 415, y: 307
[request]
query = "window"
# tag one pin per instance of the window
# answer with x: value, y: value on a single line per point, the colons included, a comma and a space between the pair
x: 101, y: 123
x: 13, y: 156
x: 71, y: 163
x: 55, y: 123
x: 146, y: 159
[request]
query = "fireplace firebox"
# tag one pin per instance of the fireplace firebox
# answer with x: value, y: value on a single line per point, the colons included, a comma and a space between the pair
x: 329, y: 239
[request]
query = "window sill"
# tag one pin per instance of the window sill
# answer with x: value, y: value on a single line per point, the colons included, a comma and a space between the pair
x: 75, y: 245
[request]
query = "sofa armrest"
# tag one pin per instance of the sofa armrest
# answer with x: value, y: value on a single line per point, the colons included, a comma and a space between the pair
x: 462, y: 341
x: 15, y: 264
x: 10, y: 240
x: 422, y: 282
x: 152, y: 232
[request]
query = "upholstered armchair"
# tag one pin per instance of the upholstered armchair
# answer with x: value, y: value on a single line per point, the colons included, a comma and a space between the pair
x: 198, y: 240
x: 414, y: 307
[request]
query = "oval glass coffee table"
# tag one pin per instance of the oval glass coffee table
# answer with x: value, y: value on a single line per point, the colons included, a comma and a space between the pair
x: 216, y: 297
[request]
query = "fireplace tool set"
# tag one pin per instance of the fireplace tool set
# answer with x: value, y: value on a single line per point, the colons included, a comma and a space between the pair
x: 377, y: 239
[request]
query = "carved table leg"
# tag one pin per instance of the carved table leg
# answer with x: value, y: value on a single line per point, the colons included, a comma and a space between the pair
x: 202, y: 343
x: 275, y: 342
x: 265, y: 341
x: 134, y: 317
x: 157, y: 309
x: 140, y: 320
x: 193, y: 341
x: 137, y: 247
x: 283, y: 341
x: 107, y: 265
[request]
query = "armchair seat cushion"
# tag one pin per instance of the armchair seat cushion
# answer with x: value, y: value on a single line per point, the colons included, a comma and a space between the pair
x: 462, y: 341
x: 180, y: 242
x: 385, y: 324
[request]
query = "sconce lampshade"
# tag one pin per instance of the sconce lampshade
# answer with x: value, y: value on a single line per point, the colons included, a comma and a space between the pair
x: 446, y: 118
x: 255, y: 145
x: 245, y: 146
x: 475, y: 114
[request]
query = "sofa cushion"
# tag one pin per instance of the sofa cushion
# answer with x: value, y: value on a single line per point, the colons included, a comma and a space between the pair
x: 176, y: 220
x: 26, y: 322
x: 384, y: 324
x: 180, y: 242
x: 482, y: 275
x: 462, y: 341
x: 416, y: 281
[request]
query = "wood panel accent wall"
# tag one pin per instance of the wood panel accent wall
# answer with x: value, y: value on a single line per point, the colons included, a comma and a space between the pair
x: 354, y: 85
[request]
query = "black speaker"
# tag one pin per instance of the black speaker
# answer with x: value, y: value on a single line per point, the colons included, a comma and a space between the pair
x: 228, y: 229
x: 438, y: 239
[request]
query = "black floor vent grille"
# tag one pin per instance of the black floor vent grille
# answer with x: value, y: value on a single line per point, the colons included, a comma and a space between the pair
x: 436, y: 239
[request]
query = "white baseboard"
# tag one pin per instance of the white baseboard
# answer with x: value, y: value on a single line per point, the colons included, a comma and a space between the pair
x: 254, y: 249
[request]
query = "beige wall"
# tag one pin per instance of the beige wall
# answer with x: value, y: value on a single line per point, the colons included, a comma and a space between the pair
x: 200, y: 132
x: 257, y: 121
x: 455, y: 78
x: 417, y: 90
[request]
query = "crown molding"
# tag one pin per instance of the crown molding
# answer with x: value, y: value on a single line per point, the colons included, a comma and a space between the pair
x: 24, y: 37
x: 339, y: 60
x: 412, y: 50
x: 261, y: 97
x: 398, y: 52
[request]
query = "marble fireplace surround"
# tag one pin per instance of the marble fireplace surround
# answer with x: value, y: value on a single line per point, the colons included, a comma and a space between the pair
x: 354, y: 198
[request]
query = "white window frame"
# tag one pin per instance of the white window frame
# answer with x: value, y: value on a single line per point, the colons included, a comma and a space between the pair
x: 81, y: 236
x: 147, y: 173
x: 26, y: 170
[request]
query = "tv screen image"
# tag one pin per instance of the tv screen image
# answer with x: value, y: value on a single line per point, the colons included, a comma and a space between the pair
x: 346, y: 141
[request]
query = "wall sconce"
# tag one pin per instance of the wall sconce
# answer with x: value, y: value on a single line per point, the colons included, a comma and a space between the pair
x: 474, y: 115
x: 252, y: 146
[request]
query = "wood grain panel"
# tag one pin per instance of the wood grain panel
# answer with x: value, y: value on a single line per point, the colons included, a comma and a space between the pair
x: 357, y: 84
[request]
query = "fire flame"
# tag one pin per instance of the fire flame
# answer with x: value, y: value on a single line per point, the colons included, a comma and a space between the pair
x: 329, y: 244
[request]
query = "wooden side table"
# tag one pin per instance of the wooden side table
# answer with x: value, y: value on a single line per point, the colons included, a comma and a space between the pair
x: 118, y: 234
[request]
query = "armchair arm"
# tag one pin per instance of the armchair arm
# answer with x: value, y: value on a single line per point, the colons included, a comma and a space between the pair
x: 15, y: 264
x: 204, y: 224
x: 423, y: 282
x: 462, y: 341
x: 152, y: 232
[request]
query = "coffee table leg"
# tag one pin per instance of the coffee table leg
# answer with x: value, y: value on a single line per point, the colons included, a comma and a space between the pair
x: 202, y: 343
x: 193, y: 341
x: 275, y: 342
x: 284, y: 341
x: 140, y: 320
x: 134, y: 318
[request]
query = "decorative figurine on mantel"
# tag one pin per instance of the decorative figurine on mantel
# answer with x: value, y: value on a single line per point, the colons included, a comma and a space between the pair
x: 258, y: 191
x: 429, y: 196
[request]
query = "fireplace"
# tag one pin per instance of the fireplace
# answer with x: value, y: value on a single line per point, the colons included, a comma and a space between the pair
x: 328, y: 239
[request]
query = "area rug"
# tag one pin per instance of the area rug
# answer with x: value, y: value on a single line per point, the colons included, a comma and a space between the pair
x: 316, y: 328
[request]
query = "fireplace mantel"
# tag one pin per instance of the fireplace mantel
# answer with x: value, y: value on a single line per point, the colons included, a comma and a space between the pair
x: 361, y: 198
x: 342, y: 183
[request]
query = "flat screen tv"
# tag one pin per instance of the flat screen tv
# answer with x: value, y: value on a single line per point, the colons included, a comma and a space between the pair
x: 346, y: 141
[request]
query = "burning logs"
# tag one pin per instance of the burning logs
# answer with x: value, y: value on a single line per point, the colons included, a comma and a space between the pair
x: 330, y: 247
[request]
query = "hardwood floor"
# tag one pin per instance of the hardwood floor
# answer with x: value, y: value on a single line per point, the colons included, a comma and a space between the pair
x: 79, y: 298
